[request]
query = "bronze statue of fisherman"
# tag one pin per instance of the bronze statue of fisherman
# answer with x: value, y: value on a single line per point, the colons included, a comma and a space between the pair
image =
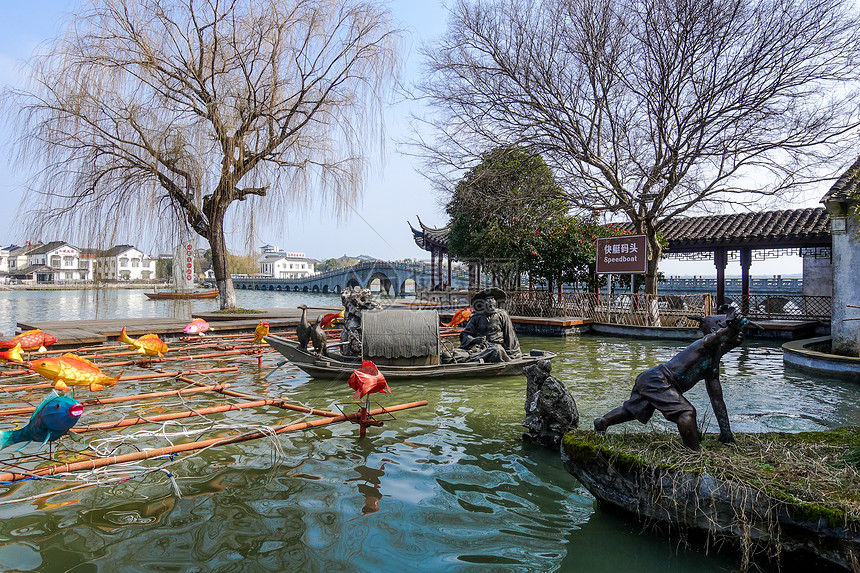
x: 662, y: 387
x: 489, y: 335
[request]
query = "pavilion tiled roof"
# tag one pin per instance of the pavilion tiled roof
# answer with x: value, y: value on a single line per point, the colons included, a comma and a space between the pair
x: 808, y: 227
x: 846, y: 185
x: 428, y: 237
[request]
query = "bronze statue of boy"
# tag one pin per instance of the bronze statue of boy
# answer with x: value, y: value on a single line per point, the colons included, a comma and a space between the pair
x: 662, y: 387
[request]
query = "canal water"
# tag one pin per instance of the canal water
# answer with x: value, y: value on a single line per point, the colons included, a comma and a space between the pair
x: 447, y: 487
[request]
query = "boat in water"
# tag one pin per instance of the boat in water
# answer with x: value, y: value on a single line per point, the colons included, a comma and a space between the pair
x: 402, y: 344
x: 170, y: 294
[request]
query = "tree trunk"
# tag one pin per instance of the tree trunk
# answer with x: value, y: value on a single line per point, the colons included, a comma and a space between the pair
x: 654, y: 253
x: 218, y: 245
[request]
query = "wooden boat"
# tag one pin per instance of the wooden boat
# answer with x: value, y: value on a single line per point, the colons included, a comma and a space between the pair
x: 169, y: 294
x: 335, y: 365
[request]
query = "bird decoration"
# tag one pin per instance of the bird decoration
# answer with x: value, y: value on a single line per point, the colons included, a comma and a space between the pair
x: 70, y: 369
x: 53, y: 418
x: 148, y: 344
x: 303, y: 328
x: 197, y: 326
x: 261, y: 332
x: 459, y: 317
x: 318, y: 337
x: 13, y: 355
x: 31, y: 340
x: 330, y: 317
x: 367, y: 380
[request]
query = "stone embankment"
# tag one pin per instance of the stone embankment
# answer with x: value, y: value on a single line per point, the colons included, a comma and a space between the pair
x: 783, y: 498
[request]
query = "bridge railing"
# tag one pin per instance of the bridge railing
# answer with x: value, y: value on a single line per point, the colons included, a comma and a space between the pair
x: 626, y: 309
x: 408, y: 268
x: 784, y: 307
x: 664, y: 309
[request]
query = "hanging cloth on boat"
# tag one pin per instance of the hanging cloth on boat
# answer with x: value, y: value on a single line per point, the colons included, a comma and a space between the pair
x: 400, y: 333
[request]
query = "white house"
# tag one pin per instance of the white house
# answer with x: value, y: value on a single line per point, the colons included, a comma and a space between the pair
x: 124, y: 263
x: 4, y: 258
x: 280, y: 264
x: 55, y: 262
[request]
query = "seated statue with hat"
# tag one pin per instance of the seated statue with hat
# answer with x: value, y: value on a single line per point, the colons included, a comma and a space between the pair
x: 489, y: 335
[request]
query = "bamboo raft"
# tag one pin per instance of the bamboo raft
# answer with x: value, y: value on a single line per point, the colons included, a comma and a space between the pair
x: 200, y: 395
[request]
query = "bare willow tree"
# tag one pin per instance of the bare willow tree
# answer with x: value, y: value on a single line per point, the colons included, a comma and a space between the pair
x: 650, y: 108
x: 172, y: 110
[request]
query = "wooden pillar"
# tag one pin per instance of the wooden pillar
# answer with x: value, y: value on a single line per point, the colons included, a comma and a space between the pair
x: 450, y: 283
x: 746, y: 263
x: 721, y: 259
x: 432, y: 267
x: 439, y: 268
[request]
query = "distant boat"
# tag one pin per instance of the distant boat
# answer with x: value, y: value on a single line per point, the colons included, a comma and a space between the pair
x: 169, y: 294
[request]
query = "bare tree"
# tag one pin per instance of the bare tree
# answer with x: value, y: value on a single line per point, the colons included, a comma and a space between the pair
x: 172, y: 110
x: 650, y: 108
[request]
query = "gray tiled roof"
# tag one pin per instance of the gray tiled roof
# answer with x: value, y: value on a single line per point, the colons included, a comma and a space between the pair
x: 770, y: 229
x: 846, y: 185
x: 430, y: 236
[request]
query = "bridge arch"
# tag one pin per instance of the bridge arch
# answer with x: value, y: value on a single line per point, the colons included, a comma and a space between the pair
x: 315, y: 288
x: 382, y: 279
x: 352, y: 282
x: 337, y: 289
x: 325, y: 289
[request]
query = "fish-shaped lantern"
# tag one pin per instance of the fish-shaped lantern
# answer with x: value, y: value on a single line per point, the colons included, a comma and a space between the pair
x: 53, y: 418
x: 196, y: 326
x: 329, y: 317
x: 70, y: 369
x: 459, y: 317
x: 13, y: 355
x: 148, y: 344
x: 30, y: 340
x: 261, y: 332
x: 367, y: 380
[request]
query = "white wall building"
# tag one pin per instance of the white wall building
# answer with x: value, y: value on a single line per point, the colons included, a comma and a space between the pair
x: 4, y: 258
x: 280, y: 264
x: 62, y: 259
x: 124, y: 263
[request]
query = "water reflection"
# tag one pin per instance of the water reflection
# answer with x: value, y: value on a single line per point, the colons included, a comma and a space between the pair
x: 448, y: 487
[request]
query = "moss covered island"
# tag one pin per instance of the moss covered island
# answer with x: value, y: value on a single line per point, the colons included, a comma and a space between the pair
x: 816, y: 474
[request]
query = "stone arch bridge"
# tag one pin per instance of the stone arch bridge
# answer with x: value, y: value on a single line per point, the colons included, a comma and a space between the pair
x: 391, y: 277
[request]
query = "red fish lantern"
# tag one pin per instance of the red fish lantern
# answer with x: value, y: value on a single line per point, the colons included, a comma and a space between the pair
x: 30, y: 340
x: 367, y: 380
x: 459, y: 317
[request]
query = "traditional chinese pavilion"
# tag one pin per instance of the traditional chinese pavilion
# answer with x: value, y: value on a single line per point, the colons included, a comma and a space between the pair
x: 434, y: 240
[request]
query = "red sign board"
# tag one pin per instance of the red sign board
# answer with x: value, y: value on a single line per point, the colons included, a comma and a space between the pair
x: 624, y: 255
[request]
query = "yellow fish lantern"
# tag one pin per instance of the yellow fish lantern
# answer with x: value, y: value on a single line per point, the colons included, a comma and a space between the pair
x: 13, y: 355
x: 148, y: 344
x: 261, y: 332
x: 70, y: 369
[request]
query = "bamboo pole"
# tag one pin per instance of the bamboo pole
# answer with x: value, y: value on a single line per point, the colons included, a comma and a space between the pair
x: 190, y: 446
x: 116, y: 399
x: 283, y: 403
x: 161, y: 374
x: 173, y: 416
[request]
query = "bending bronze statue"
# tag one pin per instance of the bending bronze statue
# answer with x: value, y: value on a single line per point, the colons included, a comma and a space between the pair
x: 489, y: 335
x: 662, y: 387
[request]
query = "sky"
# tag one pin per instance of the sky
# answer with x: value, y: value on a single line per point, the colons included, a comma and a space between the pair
x: 395, y: 192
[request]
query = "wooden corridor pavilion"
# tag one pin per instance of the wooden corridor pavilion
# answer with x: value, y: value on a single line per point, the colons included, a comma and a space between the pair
x: 747, y: 237
x: 721, y: 238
